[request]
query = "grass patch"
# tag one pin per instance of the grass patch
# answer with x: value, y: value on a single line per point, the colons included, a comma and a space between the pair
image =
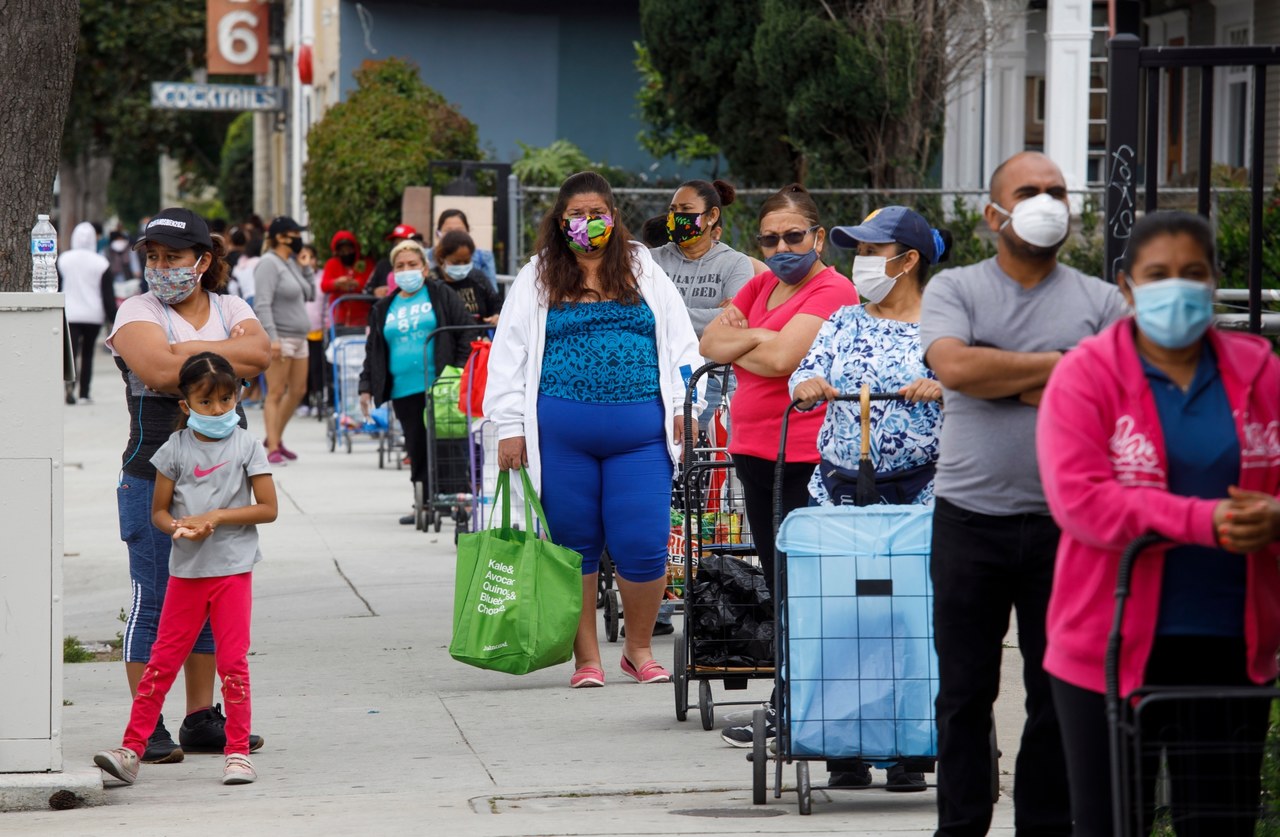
x: 74, y: 652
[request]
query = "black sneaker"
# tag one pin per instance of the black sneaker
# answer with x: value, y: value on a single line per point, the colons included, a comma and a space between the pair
x: 858, y: 777
x: 744, y: 736
x: 205, y: 732
x: 160, y: 746
x: 900, y: 781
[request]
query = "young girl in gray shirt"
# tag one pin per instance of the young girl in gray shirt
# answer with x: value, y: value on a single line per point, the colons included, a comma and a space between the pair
x: 213, y: 486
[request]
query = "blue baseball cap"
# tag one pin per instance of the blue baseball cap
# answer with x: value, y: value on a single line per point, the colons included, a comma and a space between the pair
x: 893, y: 224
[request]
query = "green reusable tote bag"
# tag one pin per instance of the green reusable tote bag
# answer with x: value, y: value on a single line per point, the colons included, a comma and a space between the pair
x: 516, y: 597
x: 450, y: 421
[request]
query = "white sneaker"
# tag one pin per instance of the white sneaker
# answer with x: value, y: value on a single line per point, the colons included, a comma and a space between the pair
x: 122, y: 763
x: 238, y: 770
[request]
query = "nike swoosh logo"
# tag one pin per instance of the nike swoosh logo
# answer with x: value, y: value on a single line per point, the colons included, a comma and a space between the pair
x: 201, y: 473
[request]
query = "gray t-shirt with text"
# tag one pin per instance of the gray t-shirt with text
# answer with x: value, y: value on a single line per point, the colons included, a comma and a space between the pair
x: 987, y: 461
x: 208, y: 476
x: 705, y: 284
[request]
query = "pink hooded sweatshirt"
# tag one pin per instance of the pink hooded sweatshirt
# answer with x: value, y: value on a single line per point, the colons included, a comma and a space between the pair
x: 1102, y: 461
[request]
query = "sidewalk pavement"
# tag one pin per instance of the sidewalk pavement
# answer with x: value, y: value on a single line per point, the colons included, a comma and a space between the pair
x: 370, y: 726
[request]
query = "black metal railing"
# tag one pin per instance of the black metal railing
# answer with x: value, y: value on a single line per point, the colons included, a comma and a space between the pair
x: 1129, y: 62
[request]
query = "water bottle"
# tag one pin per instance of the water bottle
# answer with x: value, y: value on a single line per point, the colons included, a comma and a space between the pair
x: 44, y: 256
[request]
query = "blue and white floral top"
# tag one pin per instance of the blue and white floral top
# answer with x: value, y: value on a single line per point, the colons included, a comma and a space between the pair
x: 854, y: 347
x: 601, y: 353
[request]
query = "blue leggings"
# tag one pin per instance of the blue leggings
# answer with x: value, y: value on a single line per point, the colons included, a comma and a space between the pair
x: 606, y: 478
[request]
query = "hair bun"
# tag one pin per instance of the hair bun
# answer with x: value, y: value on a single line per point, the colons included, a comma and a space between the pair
x: 726, y: 192
x: 942, y: 241
x: 794, y: 188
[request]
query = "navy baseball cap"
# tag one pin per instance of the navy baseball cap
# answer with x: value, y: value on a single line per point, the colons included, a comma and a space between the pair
x: 282, y: 224
x: 178, y: 228
x: 892, y: 224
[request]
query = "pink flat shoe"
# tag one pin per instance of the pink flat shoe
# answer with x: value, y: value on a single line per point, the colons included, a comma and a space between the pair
x: 650, y: 672
x: 587, y: 677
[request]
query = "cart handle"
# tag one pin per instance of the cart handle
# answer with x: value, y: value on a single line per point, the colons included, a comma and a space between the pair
x: 1111, y: 667
x: 691, y: 387
x: 331, y: 330
x: 781, y: 461
x: 1114, y: 638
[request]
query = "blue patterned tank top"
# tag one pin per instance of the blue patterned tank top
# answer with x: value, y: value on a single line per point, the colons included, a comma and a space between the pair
x: 600, y: 353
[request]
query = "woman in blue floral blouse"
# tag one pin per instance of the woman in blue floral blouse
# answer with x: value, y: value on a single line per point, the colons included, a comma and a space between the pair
x: 878, y: 343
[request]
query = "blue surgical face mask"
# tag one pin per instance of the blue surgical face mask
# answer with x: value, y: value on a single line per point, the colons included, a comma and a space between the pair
x: 792, y: 267
x: 1173, y: 313
x: 409, y: 281
x: 458, y: 272
x: 215, y: 427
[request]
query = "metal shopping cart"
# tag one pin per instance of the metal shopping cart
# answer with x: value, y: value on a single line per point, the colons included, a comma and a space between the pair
x: 728, y: 631
x: 857, y: 675
x: 455, y: 463
x: 345, y: 351
x: 1187, y: 731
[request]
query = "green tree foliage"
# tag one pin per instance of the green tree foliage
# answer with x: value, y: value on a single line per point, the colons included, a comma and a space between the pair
x: 366, y: 150
x: 123, y: 48
x: 235, y: 171
x: 549, y: 166
x: 666, y: 135
x: 1233, y: 236
x: 826, y: 92
x: 711, y: 83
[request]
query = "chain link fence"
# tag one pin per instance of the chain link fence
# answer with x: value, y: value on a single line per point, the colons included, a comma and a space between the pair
x: 960, y: 211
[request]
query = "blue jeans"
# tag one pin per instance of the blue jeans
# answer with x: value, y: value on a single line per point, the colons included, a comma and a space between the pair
x: 148, y: 570
x: 607, y: 478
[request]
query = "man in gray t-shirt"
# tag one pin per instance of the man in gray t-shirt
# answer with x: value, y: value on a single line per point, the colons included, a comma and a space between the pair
x: 992, y: 332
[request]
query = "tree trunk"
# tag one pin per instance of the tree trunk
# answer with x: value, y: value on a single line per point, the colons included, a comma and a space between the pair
x: 37, y: 60
x: 82, y: 192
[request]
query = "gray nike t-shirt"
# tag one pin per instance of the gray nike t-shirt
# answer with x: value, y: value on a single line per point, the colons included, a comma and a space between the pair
x: 208, y: 476
x: 987, y: 457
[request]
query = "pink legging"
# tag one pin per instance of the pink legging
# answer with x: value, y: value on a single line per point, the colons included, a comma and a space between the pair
x: 227, y: 602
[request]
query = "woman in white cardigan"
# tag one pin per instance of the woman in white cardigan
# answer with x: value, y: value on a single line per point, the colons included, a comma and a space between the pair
x: 586, y: 384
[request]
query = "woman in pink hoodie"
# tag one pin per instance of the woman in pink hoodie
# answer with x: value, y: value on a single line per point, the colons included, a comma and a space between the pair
x: 1163, y: 424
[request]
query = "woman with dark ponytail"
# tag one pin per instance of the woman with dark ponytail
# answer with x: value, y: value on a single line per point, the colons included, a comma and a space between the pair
x: 707, y: 272
x: 878, y: 343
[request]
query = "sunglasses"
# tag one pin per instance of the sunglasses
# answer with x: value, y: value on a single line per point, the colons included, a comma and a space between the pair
x: 793, y: 238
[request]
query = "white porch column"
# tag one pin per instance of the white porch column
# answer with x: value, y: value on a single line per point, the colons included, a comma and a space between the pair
x: 1067, y: 48
x: 1006, y: 117
x: 962, y: 158
x: 985, y: 115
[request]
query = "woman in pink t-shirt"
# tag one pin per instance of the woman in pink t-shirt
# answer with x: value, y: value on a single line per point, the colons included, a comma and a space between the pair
x: 765, y: 333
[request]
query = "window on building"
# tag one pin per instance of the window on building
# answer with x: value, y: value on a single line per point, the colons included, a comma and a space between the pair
x: 1235, y: 107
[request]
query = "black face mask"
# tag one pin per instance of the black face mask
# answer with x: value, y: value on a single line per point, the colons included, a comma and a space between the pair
x: 296, y: 246
x: 347, y: 259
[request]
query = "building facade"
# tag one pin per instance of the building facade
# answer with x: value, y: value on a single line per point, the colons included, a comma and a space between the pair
x: 524, y: 71
x: 1043, y: 86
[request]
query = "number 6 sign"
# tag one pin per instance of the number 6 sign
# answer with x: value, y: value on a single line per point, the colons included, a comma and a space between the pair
x: 237, y: 37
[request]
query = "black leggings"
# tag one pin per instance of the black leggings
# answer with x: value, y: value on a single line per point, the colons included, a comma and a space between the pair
x: 1200, y: 780
x: 756, y: 476
x: 452, y: 470
x: 84, y: 337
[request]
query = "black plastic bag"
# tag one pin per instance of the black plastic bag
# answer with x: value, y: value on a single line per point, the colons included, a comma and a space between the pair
x: 731, y: 614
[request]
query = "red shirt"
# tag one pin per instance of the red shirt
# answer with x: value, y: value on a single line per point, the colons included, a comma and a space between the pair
x: 354, y: 314
x: 756, y: 409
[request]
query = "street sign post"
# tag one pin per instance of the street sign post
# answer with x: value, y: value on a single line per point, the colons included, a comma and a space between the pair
x: 177, y: 95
